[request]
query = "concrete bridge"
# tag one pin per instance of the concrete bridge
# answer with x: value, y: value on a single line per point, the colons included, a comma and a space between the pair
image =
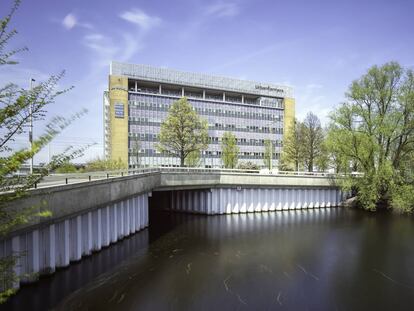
x: 90, y: 215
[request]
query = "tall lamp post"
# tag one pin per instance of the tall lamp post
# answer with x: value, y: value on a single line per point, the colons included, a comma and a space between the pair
x: 31, y: 126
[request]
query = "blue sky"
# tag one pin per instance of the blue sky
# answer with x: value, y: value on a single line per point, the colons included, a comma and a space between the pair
x: 317, y: 47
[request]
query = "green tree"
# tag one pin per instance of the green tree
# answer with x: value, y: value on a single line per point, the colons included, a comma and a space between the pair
x: 323, y: 160
x: 337, y: 160
x: 247, y: 166
x: 268, y: 153
x: 98, y: 164
x: 135, y: 145
x: 66, y: 167
x: 312, y: 140
x: 17, y: 106
x: 229, y: 150
x: 374, y: 130
x: 193, y: 159
x: 183, y: 131
x: 293, y: 154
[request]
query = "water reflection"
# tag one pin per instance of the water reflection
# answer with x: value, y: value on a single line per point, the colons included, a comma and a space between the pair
x: 320, y: 259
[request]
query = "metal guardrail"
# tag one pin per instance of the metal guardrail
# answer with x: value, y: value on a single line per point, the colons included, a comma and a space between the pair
x: 71, y: 178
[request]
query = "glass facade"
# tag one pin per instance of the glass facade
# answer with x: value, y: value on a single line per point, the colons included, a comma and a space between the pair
x: 253, y: 117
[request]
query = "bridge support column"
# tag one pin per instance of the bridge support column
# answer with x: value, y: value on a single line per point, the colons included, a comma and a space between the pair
x: 62, y: 244
x: 97, y: 230
x: 106, y: 237
x: 47, y: 262
x: 76, y: 238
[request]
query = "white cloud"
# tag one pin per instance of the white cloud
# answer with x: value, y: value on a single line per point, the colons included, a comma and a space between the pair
x: 105, y: 49
x: 70, y: 21
x: 140, y: 18
x: 223, y: 9
x: 125, y: 45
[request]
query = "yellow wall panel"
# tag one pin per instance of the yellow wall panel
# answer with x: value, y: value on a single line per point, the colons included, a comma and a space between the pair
x: 118, y: 97
x: 289, y: 115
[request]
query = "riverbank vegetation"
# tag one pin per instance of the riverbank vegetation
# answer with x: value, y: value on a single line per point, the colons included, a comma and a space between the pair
x: 369, y: 139
x: 373, y: 133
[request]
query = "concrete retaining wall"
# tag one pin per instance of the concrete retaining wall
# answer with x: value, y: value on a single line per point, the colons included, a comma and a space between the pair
x: 42, y: 250
x: 248, y: 200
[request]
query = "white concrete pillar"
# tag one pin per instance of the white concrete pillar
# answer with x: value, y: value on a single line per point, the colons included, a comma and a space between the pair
x: 209, y: 202
x: 139, y: 208
x: 305, y: 198
x: 106, y: 229
x: 182, y: 92
x: 317, y: 198
x: 190, y: 205
x: 223, y: 201
x: 285, y: 199
x: 62, y: 243
x: 243, y: 203
x: 141, y: 212
x: 272, y: 204
x: 257, y: 195
x: 215, y: 201
x: 311, y: 199
x: 197, y: 201
x: 235, y: 206
x: 201, y: 201
x: 47, y: 261
x: 114, y: 222
x: 299, y: 197
x: 132, y: 210
x: 97, y: 230
x: 86, y: 234
x: 30, y: 256
x: 121, y: 220
x: 15, y: 250
x: 250, y: 200
x: 75, y: 240
x: 146, y: 210
x: 322, y: 197
x: 279, y: 199
x: 127, y: 219
x: 138, y: 213
x: 266, y: 200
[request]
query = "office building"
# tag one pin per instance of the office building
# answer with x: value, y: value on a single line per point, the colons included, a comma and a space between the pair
x: 139, y: 97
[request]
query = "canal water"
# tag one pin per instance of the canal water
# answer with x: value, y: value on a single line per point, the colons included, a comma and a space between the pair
x: 322, y: 259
